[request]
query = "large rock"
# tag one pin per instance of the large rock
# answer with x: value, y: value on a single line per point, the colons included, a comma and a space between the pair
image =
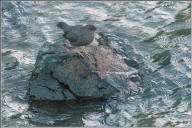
x: 65, y: 73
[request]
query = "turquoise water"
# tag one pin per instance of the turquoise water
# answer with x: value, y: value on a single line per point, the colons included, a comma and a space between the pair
x: 156, y: 34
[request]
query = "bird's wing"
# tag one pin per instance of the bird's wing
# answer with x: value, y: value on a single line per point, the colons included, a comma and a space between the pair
x: 72, y: 36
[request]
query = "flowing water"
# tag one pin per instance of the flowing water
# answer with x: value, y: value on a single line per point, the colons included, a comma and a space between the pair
x: 155, y: 34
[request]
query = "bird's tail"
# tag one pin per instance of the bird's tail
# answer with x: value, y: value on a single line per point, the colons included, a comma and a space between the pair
x: 62, y: 25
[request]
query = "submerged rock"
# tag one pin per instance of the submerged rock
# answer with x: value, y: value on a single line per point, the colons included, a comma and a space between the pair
x: 9, y: 62
x: 65, y: 73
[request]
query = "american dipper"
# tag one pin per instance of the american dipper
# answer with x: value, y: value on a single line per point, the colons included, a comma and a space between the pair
x: 78, y: 35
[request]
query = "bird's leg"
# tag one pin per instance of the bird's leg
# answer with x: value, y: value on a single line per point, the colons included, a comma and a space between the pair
x: 84, y: 54
x: 77, y: 51
x: 88, y: 56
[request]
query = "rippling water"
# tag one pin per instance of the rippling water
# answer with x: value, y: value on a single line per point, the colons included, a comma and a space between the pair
x: 156, y: 34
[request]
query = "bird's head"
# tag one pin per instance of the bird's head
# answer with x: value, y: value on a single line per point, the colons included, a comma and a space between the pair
x: 91, y: 27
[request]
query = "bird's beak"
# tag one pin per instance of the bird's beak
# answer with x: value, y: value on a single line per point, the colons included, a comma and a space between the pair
x: 97, y: 28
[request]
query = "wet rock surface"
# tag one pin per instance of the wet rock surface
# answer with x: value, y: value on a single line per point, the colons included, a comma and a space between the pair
x: 95, y: 71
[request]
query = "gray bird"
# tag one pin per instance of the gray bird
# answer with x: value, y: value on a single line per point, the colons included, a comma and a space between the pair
x: 78, y: 35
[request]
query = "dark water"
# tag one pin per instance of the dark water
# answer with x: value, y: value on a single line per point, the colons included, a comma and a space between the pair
x: 156, y: 34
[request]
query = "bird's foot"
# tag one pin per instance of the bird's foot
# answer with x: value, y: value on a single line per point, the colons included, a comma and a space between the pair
x: 79, y: 53
x: 87, y: 55
x: 84, y: 55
